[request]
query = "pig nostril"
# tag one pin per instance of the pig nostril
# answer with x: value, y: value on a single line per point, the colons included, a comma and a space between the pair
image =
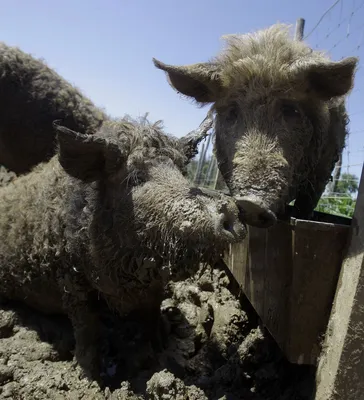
x: 267, y: 219
x: 255, y: 213
x: 227, y: 226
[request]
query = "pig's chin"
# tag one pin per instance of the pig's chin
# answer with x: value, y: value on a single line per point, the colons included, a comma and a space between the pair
x: 180, y: 251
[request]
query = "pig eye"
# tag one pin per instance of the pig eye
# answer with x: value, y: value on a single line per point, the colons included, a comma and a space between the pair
x: 290, y: 110
x: 137, y: 178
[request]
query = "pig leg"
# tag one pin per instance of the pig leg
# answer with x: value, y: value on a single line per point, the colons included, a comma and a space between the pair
x: 85, y: 322
x: 87, y: 337
x: 308, y: 198
x: 155, y: 330
x: 153, y: 327
x: 152, y: 320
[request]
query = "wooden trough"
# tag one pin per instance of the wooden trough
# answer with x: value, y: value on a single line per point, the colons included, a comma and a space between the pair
x: 289, y: 273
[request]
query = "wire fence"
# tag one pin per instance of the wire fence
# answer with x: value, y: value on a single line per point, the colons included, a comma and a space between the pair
x: 339, y: 31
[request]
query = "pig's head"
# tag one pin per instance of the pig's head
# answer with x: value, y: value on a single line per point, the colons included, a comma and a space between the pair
x: 277, y: 106
x: 141, y: 199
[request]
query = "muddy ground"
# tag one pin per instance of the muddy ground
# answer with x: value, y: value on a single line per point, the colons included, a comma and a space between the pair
x: 214, y: 350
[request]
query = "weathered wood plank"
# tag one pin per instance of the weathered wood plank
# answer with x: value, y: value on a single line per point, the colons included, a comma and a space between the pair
x: 341, y: 367
x: 278, y: 276
x: 255, y: 269
x: 237, y: 259
x: 289, y: 274
x: 318, y: 253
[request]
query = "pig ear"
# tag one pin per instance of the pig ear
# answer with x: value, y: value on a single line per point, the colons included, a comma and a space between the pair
x: 201, y: 81
x: 331, y: 79
x: 86, y: 157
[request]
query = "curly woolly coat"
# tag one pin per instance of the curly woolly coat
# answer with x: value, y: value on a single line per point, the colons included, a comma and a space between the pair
x: 32, y: 96
x: 111, y: 215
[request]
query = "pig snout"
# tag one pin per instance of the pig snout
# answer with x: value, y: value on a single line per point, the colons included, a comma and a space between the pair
x: 255, y: 212
x: 226, y: 215
x: 229, y: 226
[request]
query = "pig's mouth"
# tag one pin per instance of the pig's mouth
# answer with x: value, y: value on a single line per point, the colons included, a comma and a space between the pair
x: 174, y: 251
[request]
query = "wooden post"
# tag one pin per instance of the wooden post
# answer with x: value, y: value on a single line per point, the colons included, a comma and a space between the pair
x: 341, y: 367
x: 199, y: 166
x: 211, y: 171
x: 202, y: 160
x: 300, y: 27
x: 219, y: 181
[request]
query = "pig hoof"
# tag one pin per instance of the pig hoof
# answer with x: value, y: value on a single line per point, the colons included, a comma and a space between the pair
x: 90, y: 366
x: 92, y: 374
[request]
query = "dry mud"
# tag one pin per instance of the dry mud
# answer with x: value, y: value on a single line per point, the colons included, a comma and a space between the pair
x: 214, y: 349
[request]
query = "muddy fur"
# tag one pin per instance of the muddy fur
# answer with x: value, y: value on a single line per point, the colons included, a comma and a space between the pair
x: 110, y: 215
x: 280, y: 117
x: 32, y: 96
x: 215, y: 350
x: 6, y: 176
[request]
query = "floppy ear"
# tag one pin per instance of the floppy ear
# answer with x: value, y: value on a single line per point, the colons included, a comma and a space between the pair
x: 191, y: 141
x: 201, y: 81
x: 330, y: 79
x: 86, y: 157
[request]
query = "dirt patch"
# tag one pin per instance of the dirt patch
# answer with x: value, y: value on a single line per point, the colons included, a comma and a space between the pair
x: 213, y: 350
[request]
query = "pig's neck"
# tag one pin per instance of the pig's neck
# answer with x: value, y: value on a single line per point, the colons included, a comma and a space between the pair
x: 117, y: 263
x: 121, y: 263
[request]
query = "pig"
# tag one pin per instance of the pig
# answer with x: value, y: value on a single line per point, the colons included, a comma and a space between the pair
x: 112, y: 215
x: 280, y: 118
x: 32, y: 95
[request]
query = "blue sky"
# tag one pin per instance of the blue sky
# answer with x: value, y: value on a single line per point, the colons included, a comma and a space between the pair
x: 106, y: 47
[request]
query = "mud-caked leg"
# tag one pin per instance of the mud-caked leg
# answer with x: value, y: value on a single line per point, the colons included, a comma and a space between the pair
x: 305, y: 203
x: 86, y: 325
x: 153, y: 327
x: 156, y: 330
x: 310, y: 193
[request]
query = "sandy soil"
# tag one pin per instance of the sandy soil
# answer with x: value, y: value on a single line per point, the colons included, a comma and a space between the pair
x: 214, y: 349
